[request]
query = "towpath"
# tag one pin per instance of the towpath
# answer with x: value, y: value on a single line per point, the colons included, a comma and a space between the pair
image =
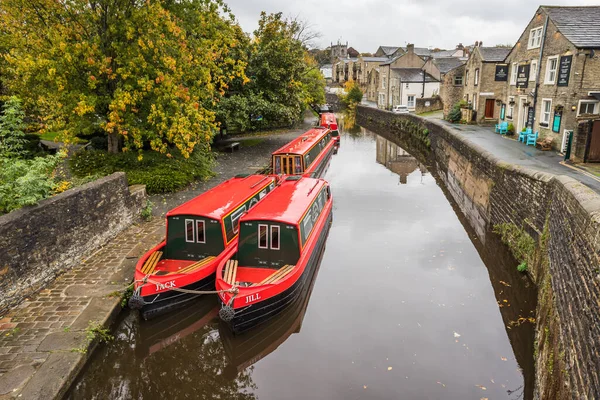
x: 46, y: 340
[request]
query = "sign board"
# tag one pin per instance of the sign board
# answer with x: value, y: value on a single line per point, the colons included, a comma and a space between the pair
x: 523, y: 75
x: 486, y: 93
x: 502, y: 111
x: 556, y: 121
x: 501, y: 73
x: 427, y: 104
x: 564, y: 70
x: 530, y: 117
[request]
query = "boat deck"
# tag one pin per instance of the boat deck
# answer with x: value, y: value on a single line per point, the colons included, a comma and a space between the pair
x: 155, y: 266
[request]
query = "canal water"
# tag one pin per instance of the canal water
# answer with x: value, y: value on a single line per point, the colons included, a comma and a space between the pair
x: 406, y: 304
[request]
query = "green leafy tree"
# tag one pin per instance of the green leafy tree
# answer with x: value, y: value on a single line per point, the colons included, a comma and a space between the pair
x: 138, y: 71
x: 12, y: 137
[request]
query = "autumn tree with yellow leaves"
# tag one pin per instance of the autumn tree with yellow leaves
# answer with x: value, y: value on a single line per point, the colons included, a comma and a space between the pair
x: 138, y: 71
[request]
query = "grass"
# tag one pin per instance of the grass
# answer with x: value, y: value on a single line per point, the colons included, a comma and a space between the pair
x: 49, y: 136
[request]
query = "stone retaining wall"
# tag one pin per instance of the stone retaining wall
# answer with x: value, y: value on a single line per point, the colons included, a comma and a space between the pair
x: 41, y: 241
x: 563, y: 216
x: 435, y: 104
x: 333, y: 100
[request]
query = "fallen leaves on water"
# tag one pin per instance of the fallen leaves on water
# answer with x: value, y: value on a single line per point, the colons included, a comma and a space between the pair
x: 440, y: 383
x: 505, y: 284
x: 364, y: 386
x: 481, y: 387
x: 456, y: 334
x: 503, y: 358
x: 389, y: 368
x: 522, y: 320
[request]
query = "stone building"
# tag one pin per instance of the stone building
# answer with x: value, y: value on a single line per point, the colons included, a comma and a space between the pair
x: 554, y: 78
x: 338, y: 51
x: 481, y: 88
x: 402, y: 80
x: 369, y: 67
x: 451, y: 77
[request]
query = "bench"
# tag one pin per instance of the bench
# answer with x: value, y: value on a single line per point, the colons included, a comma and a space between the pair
x: 545, y: 144
x: 232, y: 146
x: 193, y: 267
x: 276, y: 276
x: 230, y: 271
x: 150, y: 264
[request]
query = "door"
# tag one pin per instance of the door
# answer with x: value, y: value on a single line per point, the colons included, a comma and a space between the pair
x: 288, y: 165
x: 489, y: 108
x: 594, y: 149
x: 522, y: 121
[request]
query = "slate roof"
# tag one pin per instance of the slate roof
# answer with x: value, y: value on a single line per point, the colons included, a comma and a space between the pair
x: 580, y: 25
x: 447, y: 64
x: 421, y: 51
x: 375, y: 59
x: 493, y: 54
x: 388, y: 50
x: 413, y: 75
x: 443, y: 53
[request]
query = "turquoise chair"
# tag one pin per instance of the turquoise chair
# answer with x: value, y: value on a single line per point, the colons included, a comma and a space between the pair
x: 532, y: 139
x: 501, y: 128
x: 522, y: 136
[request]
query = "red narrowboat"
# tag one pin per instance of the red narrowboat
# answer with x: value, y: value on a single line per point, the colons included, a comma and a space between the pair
x: 309, y: 154
x: 329, y: 121
x: 280, y: 245
x: 200, y: 233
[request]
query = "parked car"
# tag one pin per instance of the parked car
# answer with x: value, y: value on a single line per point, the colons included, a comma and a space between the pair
x: 400, y: 109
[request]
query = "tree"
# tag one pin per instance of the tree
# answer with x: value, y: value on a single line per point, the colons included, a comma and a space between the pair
x: 12, y: 137
x: 137, y: 71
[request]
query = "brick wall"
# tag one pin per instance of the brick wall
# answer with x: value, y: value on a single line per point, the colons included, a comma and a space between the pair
x: 563, y: 216
x: 435, y: 104
x: 41, y: 241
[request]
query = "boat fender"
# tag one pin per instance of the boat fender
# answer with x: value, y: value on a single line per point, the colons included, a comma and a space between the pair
x: 226, y: 313
x: 136, y: 302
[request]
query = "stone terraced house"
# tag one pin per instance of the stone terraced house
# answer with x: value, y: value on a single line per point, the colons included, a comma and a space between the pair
x: 554, y: 79
x: 451, y: 77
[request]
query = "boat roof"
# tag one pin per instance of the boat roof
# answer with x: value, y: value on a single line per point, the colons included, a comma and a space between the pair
x: 224, y: 198
x: 288, y: 202
x: 328, y: 118
x: 304, y: 142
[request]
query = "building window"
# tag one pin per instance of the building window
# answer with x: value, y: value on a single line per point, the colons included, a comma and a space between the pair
x: 411, y: 101
x: 551, y: 67
x: 533, y: 70
x: 546, y: 111
x: 535, y: 38
x: 467, y: 77
x: 274, y: 237
x: 263, y: 236
x: 383, y: 82
x: 458, y: 80
x: 588, y: 107
x: 189, y: 231
x: 200, y: 232
x: 477, y: 77
x: 475, y: 102
x: 513, y: 74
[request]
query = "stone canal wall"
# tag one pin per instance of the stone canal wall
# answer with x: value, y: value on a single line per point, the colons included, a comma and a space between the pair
x: 561, y: 214
x: 41, y: 241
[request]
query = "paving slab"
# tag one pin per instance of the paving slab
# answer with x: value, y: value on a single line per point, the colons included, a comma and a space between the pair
x: 15, y: 379
x: 53, y: 377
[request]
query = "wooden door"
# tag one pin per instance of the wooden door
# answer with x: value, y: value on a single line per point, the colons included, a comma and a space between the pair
x: 594, y: 153
x: 489, y: 108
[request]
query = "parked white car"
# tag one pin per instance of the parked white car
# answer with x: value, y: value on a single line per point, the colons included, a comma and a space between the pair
x: 400, y: 109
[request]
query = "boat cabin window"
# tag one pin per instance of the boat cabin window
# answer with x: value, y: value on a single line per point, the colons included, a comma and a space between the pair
x: 312, y: 215
x: 263, y: 236
x: 200, y: 232
x: 274, y: 237
x: 277, y: 166
x: 288, y: 165
x: 189, y: 231
x: 235, y: 217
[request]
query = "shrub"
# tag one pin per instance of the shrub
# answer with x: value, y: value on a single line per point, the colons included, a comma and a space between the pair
x: 25, y: 182
x: 522, y: 267
x: 158, y: 172
x: 353, y: 95
x: 12, y: 137
x: 455, y: 114
x: 511, y: 128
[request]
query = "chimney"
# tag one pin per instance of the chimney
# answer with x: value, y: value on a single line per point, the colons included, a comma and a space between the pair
x: 410, y: 48
x: 477, y: 43
x: 460, y: 46
x: 481, y: 43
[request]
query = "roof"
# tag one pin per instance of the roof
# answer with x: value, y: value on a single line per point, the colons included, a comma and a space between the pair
x: 304, y: 142
x: 388, y: 50
x: 493, y: 54
x: 447, y: 64
x: 374, y: 59
x: 444, y: 53
x: 286, y: 203
x: 224, y: 198
x: 578, y: 24
x: 420, y: 51
x: 413, y: 75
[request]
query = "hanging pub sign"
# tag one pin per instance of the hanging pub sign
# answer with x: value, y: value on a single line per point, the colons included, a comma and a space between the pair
x: 502, y: 112
x: 523, y: 75
x: 501, y: 73
x: 556, y: 121
x: 530, y: 117
x: 564, y: 70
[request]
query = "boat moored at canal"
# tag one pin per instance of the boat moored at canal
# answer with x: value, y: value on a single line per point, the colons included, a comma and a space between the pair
x: 280, y: 245
x: 200, y: 233
x: 329, y: 121
x: 309, y: 154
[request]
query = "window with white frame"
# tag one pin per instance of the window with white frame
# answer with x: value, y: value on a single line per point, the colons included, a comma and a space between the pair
x: 535, y: 38
x: 189, y: 230
x: 381, y: 99
x: 458, y: 80
x: 467, y: 77
x: 551, y: 67
x: 477, y: 77
x: 383, y: 82
x: 533, y: 70
x: 411, y: 101
x: 263, y: 236
x: 546, y: 111
x: 588, y: 107
x: 200, y: 232
x: 513, y: 74
x: 274, y: 237
x: 510, y: 111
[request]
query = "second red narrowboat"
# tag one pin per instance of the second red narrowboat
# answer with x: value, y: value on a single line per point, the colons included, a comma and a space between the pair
x: 200, y: 233
x: 309, y: 154
x: 329, y: 121
x: 280, y: 244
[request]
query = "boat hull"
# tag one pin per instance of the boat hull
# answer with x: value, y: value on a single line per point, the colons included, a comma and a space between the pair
x: 320, y: 166
x: 257, y: 313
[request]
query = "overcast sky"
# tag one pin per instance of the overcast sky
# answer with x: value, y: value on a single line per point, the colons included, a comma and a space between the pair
x: 367, y: 24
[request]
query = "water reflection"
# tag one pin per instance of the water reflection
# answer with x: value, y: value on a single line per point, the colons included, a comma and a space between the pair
x: 398, y: 160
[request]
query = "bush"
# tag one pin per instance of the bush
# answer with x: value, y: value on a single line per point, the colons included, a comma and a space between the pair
x: 25, y: 182
x: 353, y: 95
x: 455, y: 114
x: 12, y: 137
x: 511, y: 128
x: 158, y: 172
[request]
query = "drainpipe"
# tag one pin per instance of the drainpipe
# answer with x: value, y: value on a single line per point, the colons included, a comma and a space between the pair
x: 539, y: 70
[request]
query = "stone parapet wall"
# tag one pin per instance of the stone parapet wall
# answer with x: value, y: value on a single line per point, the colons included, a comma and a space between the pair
x: 562, y: 215
x: 41, y: 241
x: 334, y: 101
x: 435, y: 104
